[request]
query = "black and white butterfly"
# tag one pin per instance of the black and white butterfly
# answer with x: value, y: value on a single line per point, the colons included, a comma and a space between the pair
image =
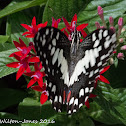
x: 71, y: 66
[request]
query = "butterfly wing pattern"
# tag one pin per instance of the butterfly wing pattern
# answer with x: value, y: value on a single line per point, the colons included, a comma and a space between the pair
x: 71, y: 76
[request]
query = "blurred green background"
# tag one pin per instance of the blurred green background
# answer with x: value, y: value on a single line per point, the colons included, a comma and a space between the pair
x: 19, y: 103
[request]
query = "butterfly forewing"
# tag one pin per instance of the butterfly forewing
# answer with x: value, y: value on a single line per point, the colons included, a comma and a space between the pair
x: 53, y: 48
x: 98, y: 47
x: 73, y: 73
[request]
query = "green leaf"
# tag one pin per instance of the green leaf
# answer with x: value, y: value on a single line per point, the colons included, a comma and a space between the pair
x: 38, y: 111
x: 4, y: 115
x: 5, y: 59
x: 100, y: 115
x: 116, y: 76
x: 10, y: 97
x: 41, y: 112
x: 62, y: 8
x: 114, y: 8
x: 86, y: 10
x: 6, y: 46
x: 116, y: 62
x: 3, y: 38
x: 15, y: 30
x: 109, y: 100
x: 8, y: 117
x: 18, y: 5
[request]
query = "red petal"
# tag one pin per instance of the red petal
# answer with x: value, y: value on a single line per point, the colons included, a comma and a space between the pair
x: 53, y: 21
x: 65, y: 32
x: 36, y: 67
x: 67, y: 24
x: 55, y: 25
x: 28, y: 69
x: 81, y: 40
x: 25, y: 33
x: 42, y: 25
x: 92, y: 96
x: 34, y: 22
x: 58, y: 20
x: 17, y: 57
x: 103, y: 79
x: 74, y: 19
x: 40, y: 66
x: 83, y: 33
x: 81, y: 27
x: 16, y: 53
x: 87, y: 104
x: 43, y: 98
x: 22, y: 44
x: 30, y: 36
x: 32, y: 81
x: 29, y: 74
x: 34, y: 59
x: 63, y: 29
x: 20, y: 72
x: 40, y: 82
x: 33, y: 48
x: 114, y: 52
x: 37, y: 88
x: 105, y: 69
x: 95, y: 84
x: 24, y: 56
x: 16, y: 44
x: 13, y: 65
x: 26, y: 26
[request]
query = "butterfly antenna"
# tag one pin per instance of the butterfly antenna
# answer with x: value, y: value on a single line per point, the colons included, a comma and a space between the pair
x: 73, y: 34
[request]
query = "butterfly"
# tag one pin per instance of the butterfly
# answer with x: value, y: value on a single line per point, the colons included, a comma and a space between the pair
x: 72, y: 66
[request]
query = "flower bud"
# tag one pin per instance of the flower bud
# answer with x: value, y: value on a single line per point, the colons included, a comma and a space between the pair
x: 111, y: 21
x: 113, y: 29
x: 120, y: 56
x: 102, y: 27
x: 123, y: 29
x: 123, y: 47
x: 121, y: 40
x: 120, y: 23
x: 97, y: 24
x: 100, y: 11
x: 111, y: 61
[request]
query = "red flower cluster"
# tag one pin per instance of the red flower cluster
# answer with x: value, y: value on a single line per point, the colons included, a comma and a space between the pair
x: 71, y: 27
x: 33, y: 29
x: 26, y: 55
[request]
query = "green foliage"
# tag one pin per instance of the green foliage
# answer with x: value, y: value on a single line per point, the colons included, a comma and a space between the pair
x: 3, y: 38
x: 18, y: 5
x: 10, y: 97
x: 108, y: 108
x: 5, y: 59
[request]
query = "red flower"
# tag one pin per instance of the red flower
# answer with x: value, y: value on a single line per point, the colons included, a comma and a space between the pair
x: 37, y: 76
x: 23, y: 49
x: 33, y: 29
x: 44, y: 95
x: 23, y: 65
x: 55, y: 22
x: 71, y: 27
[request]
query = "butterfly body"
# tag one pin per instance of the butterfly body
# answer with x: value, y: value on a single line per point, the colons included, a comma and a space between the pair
x: 71, y: 66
